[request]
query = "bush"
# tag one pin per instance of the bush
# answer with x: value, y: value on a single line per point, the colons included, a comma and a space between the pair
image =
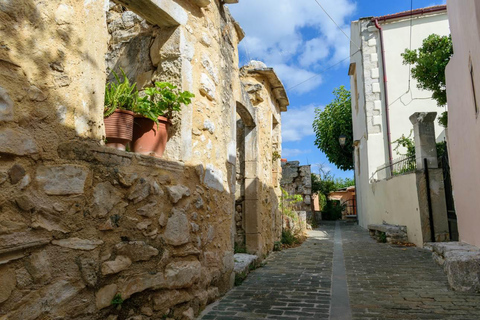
x: 288, y: 237
x: 333, y: 210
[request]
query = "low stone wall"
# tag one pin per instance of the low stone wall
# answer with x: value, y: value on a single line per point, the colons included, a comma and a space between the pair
x: 461, y: 263
x: 100, y: 224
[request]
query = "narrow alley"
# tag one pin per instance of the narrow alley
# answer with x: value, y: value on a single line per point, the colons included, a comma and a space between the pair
x: 384, y: 282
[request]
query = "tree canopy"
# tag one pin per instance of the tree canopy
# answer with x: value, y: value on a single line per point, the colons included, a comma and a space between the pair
x: 429, y: 63
x: 331, y: 123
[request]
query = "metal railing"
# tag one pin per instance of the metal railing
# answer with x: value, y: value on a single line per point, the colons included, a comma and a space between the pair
x: 399, y: 166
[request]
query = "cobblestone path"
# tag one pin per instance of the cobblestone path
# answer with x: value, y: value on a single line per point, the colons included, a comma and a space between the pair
x: 384, y: 282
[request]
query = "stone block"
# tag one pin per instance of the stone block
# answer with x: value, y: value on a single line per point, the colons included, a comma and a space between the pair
x: 243, y: 261
x: 104, y: 296
x: 136, y: 250
x: 166, y: 299
x: 254, y: 242
x: 213, y: 177
x: 8, y: 283
x: 20, y: 241
x: 140, y: 283
x: 105, y: 197
x: 78, y: 244
x: 119, y: 264
x: 62, y: 180
x: 207, y: 87
x: 164, y: 13
x: 38, y: 266
x: 177, y: 192
x: 177, y: 231
x: 88, y: 270
x: 182, y: 274
x: 461, y: 263
x: 6, y: 106
x: 16, y: 142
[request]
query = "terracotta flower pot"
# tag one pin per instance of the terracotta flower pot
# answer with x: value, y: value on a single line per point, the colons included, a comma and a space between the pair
x: 148, y: 138
x: 119, y: 129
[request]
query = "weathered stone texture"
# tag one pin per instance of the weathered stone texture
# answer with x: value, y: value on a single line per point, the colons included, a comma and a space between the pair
x: 177, y: 231
x: 62, y: 180
x: 461, y: 263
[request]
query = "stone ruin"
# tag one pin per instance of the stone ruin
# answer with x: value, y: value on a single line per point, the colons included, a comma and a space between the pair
x: 88, y: 232
x: 297, y: 180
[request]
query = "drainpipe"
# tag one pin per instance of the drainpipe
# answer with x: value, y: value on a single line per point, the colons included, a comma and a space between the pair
x: 385, y: 90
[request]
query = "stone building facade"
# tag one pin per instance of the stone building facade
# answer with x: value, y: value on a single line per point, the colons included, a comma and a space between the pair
x: 88, y: 232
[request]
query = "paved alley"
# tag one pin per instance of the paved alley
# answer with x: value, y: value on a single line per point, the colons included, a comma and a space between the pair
x: 340, y: 273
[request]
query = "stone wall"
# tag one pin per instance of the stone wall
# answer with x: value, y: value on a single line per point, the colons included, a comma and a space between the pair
x: 297, y: 179
x: 83, y: 225
x: 100, y: 223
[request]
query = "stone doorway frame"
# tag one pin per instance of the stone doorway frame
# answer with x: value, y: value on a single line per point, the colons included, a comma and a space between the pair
x: 251, y: 206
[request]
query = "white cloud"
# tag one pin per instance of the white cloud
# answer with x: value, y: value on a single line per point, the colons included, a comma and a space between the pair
x: 274, y: 30
x: 286, y: 152
x: 292, y: 76
x: 297, y: 123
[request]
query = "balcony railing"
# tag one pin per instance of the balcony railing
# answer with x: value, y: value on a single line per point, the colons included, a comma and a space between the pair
x: 399, y: 166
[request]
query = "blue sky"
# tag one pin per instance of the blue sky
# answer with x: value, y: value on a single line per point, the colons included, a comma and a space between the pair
x: 299, y: 40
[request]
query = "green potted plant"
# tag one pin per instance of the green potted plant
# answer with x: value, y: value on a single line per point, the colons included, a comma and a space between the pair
x: 120, y: 99
x: 153, y: 114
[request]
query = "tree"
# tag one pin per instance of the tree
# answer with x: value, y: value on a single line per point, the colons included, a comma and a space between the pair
x: 325, y: 182
x: 336, y: 120
x: 429, y: 62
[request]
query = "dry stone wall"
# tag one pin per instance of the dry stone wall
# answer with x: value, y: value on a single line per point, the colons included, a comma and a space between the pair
x: 100, y: 223
x: 297, y: 179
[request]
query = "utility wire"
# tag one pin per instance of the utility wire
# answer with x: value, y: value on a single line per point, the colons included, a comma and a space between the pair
x: 326, y: 69
x: 356, y: 45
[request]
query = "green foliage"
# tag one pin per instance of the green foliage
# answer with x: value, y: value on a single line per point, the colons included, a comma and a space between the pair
x: 382, y: 237
x: 162, y: 100
x: 239, y: 248
x: 429, y: 62
x: 409, y: 143
x: 333, y: 210
x: 332, y: 122
x: 325, y: 182
x: 288, y: 237
x: 239, y: 278
x: 117, y: 300
x: 405, y: 142
x: 119, y: 95
x: 277, y: 246
x: 275, y: 156
x: 288, y: 202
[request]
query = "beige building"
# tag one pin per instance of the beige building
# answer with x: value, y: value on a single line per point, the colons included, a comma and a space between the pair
x: 463, y: 92
x: 384, y: 97
x: 84, y: 227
